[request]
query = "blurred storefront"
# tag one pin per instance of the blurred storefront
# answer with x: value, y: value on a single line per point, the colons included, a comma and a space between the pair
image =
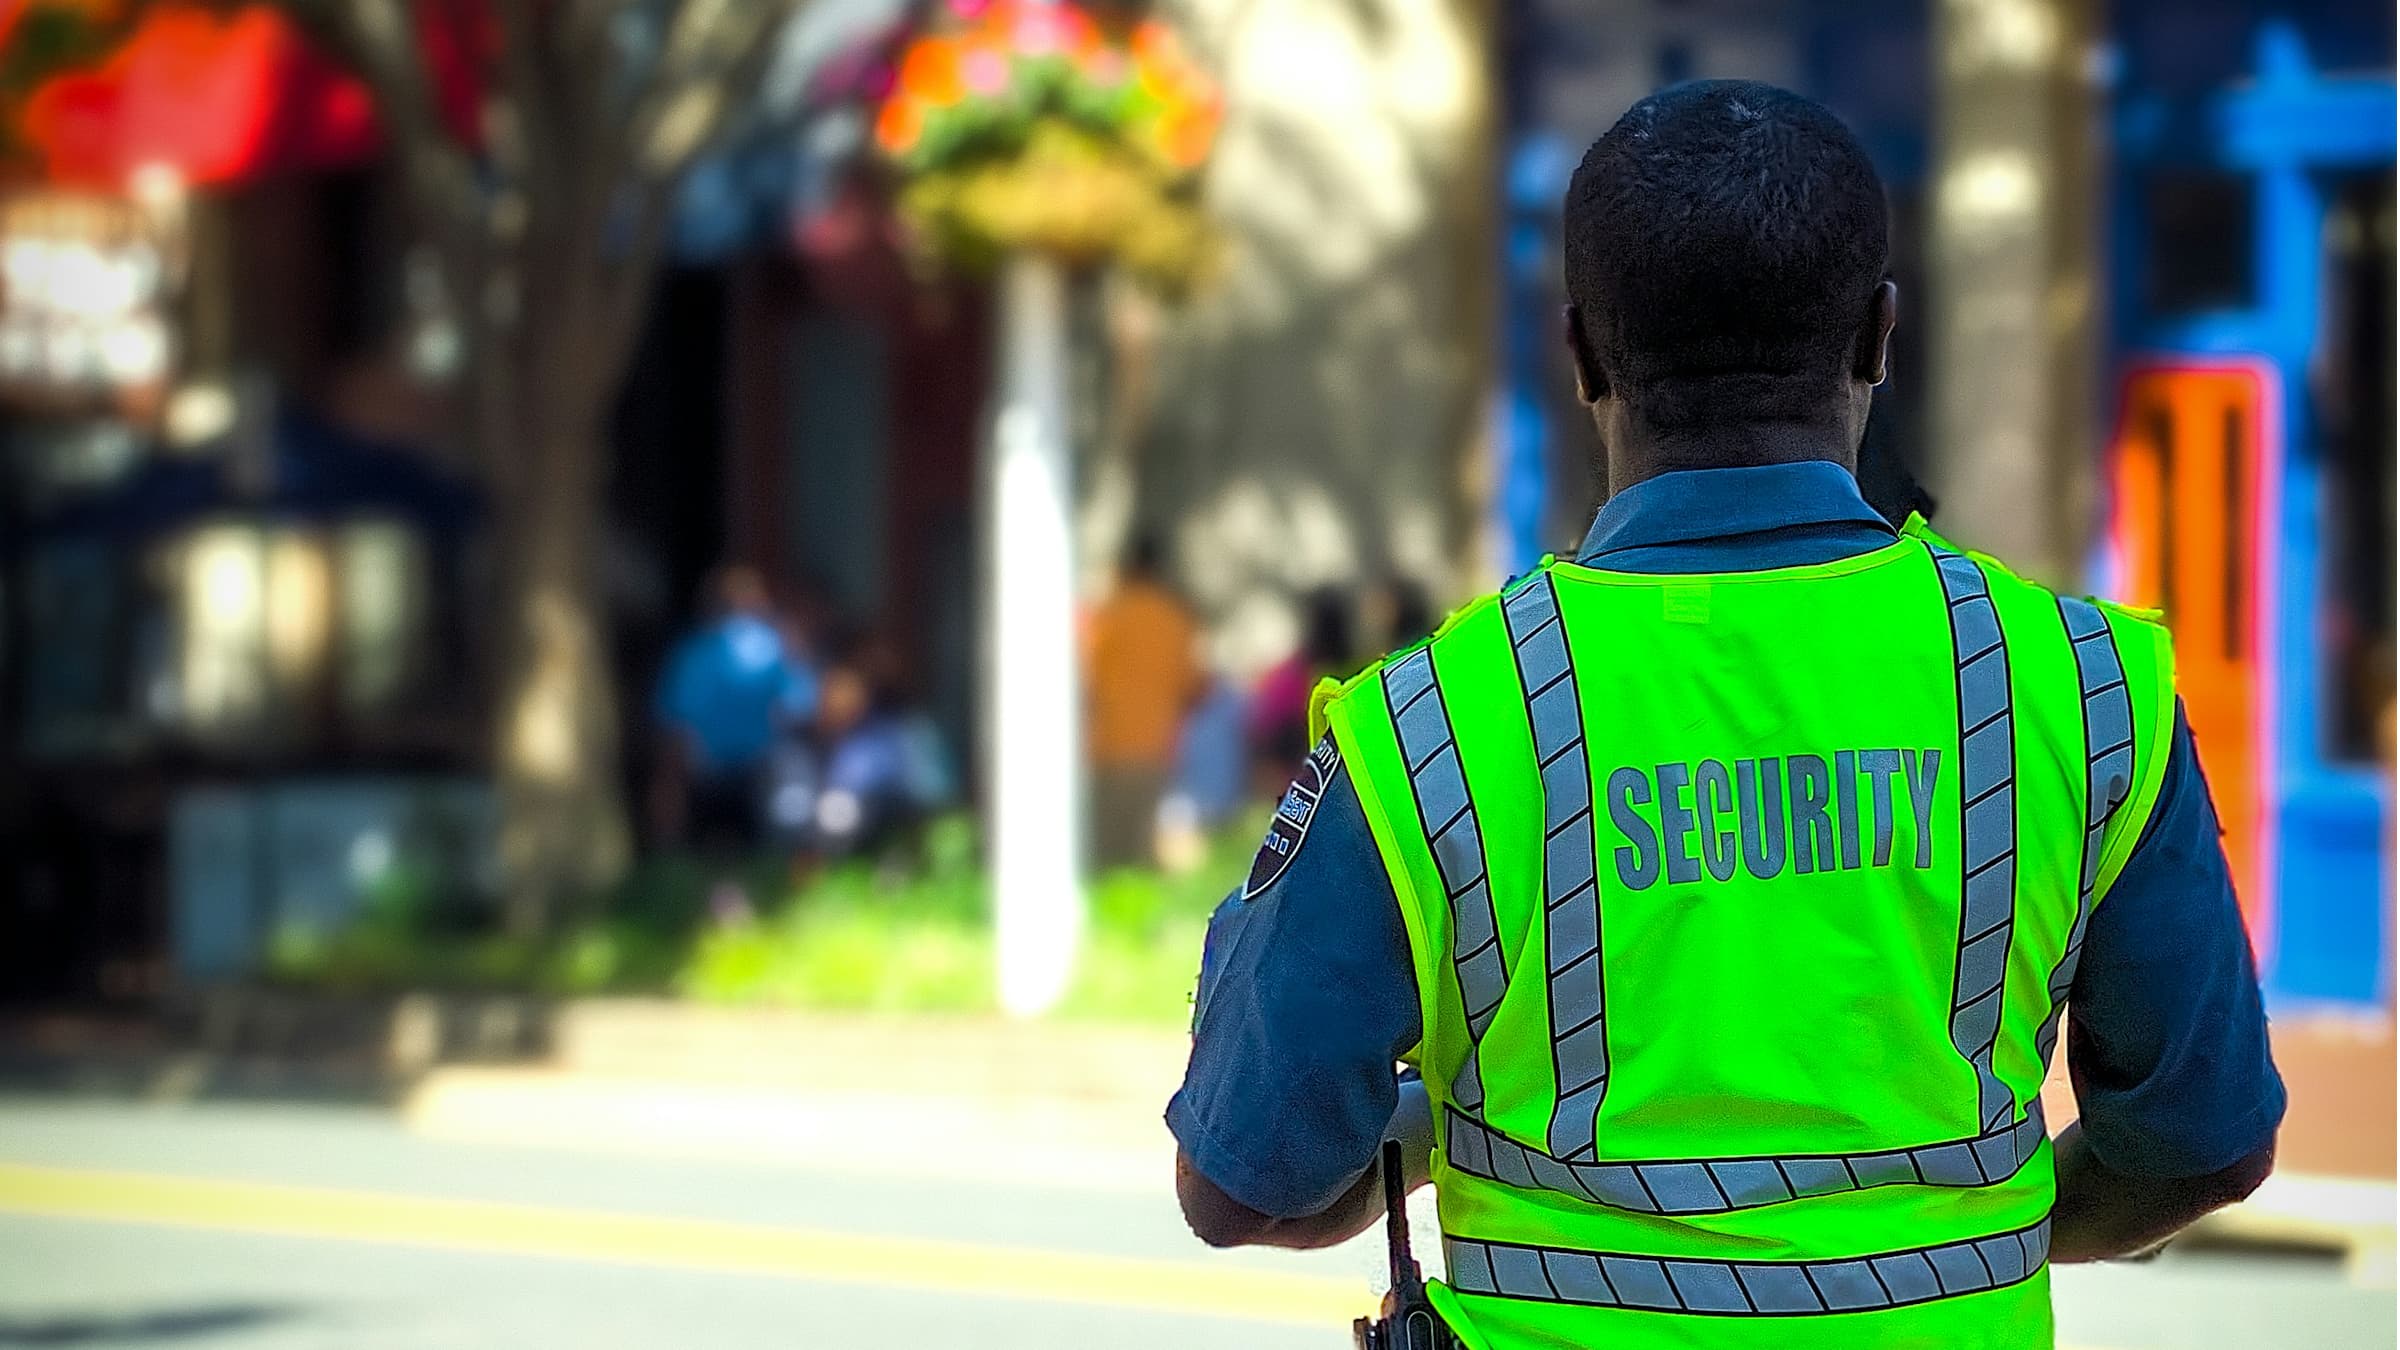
x: 2251, y: 471
x: 229, y: 555
x: 241, y: 667
x: 232, y: 554
x: 2242, y: 226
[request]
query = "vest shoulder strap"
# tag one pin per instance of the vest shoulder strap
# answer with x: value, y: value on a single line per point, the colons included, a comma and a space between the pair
x: 2141, y: 654
x: 2147, y: 652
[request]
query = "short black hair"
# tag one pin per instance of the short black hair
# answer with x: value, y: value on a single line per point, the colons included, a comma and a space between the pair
x: 1329, y: 635
x: 1723, y: 245
x: 1145, y: 556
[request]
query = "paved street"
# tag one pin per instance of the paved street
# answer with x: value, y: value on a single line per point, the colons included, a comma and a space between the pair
x: 276, y: 1226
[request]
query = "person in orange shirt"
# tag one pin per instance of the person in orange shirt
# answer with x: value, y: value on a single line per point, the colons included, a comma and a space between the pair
x: 1142, y: 674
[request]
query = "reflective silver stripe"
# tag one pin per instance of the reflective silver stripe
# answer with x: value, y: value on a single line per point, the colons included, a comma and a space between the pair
x: 1987, y: 775
x: 1719, y: 1185
x: 1747, y: 1288
x: 2108, y: 761
x: 1439, y: 784
x: 1570, y: 884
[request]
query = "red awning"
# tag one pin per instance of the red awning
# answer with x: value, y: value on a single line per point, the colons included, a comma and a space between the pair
x: 221, y: 97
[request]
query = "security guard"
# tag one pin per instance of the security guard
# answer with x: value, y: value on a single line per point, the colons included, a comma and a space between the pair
x: 1727, y: 881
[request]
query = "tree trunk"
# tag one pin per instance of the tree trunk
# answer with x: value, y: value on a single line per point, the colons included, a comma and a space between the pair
x: 2010, y: 259
x: 563, y: 831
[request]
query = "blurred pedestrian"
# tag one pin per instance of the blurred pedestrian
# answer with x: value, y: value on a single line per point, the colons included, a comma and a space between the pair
x: 729, y: 688
x: 1212, y: 770
x: 1142, y: 676
x: 1396, y: 612
x: 884, y: 767
x: 794, y: 771
x: 1277, y: 730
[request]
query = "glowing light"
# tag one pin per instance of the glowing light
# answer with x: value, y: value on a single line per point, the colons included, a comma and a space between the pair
x: 370, y: 855
x: 1992, y: 188
x: 383, y: 610
x: 299, y: 610
x: 199, y: 412
x: 224, y: 594
x: 2016, y: 34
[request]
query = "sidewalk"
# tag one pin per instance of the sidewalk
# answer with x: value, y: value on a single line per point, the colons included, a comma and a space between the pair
x: 1055, y: 1104
x: 1069, y: 1105
x: 1047, y: 1103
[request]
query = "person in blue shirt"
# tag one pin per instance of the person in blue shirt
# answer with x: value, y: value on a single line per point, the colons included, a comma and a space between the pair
x: 1727, y: 453
x: 730, y: 689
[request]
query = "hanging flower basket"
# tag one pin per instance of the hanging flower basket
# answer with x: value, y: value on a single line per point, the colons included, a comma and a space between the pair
x: 1020, y: 126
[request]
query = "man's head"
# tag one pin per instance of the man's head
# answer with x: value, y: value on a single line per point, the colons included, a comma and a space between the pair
x: 737, y: 588
x: 1727, y: 304
x: 1144, y: 558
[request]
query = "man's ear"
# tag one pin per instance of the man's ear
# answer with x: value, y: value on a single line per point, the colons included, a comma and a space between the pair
x: 1590, y: 385
x: 1871, y: 362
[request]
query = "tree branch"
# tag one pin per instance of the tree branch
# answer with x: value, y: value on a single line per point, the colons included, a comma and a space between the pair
x: 378, y: 41
x: 625, y: 287
x: 717, y: 54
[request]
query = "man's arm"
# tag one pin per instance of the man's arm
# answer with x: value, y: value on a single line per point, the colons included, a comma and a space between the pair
x: 1222, y: 1221
x: 2166, y: 1041
x: 2103, y: 1214
x: 1307, y: 999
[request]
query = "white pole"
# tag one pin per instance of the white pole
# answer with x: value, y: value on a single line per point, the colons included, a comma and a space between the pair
x: 1033, y: 784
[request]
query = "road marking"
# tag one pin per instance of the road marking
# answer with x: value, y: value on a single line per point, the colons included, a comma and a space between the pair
x: 1182, y: 1288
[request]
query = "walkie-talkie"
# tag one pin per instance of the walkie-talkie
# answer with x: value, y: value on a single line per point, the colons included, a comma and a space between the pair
x: 1408, y: 1321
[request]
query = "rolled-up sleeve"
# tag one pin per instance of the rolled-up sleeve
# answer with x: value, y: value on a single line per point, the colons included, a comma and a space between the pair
x: 2166, y: 1033
x: 1306, y: 1002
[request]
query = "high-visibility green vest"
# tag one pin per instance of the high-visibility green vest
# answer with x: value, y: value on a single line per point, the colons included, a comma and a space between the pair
x: 1742, y: 908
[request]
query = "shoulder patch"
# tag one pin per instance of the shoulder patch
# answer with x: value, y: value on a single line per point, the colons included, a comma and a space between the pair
x: 1292, y: 816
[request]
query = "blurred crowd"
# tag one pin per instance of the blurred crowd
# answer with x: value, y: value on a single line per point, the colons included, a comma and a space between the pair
x: 1177, y: 748
x: 781, y: 730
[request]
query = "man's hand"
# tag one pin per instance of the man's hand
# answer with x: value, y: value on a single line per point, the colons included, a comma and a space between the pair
x: 2104, y: 1214
x: 1222, y: 1221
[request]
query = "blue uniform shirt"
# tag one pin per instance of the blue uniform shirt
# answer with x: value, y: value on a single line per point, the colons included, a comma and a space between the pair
x: 1307, y: 996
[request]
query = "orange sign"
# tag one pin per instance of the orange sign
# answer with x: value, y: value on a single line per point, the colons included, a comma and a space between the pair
x: 2191, y: 473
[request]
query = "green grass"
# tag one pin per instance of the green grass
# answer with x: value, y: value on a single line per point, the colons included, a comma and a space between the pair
x: 906, y: 935
x: 855, y: 939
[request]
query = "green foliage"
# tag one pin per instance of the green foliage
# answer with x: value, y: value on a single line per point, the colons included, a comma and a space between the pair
x: 45, y: 41
x: 417, y: 929
x: 903, y: 935
x: 862, y: 936
x: 1036, y: 127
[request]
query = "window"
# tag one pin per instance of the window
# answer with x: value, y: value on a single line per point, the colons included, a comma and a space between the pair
x: 2197, y: 247
x: 385, y: 611
x: 74, y: 645
x: 2353, y: 387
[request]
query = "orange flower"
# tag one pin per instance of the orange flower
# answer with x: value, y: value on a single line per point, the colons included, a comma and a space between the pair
x: 1186, y: 134
x: 969, y: 64
x: 930, y: 70
x: 1154, y: 44
x: 900, y: 124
